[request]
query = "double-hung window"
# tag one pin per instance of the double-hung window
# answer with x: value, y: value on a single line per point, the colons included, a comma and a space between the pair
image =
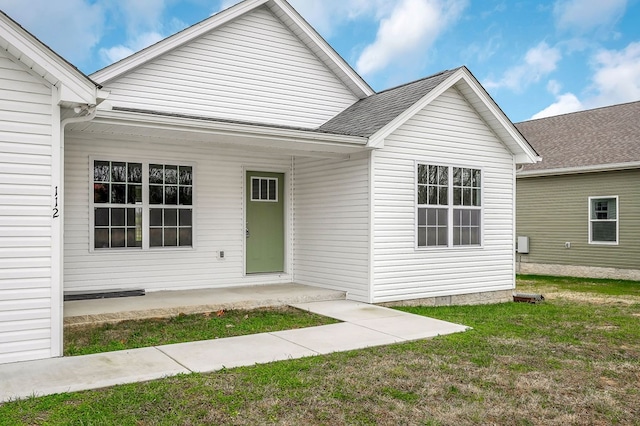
x: 603, y: 220
x: 449, y: 206
x: 140, y: 205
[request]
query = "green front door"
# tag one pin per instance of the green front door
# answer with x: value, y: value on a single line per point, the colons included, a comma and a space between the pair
x: 265, y: 222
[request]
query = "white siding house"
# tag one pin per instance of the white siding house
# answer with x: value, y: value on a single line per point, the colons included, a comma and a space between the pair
x: 244, y: 151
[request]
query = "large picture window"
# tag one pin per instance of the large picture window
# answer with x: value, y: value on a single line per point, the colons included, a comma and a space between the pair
x: 449, y: 206
x: 140, y: 205
x: 603, y: 220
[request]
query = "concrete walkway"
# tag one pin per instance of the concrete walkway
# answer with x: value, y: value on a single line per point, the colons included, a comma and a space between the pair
x: 364, y: 326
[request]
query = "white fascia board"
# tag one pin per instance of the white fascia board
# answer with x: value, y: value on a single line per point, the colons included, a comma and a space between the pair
x: 377, y: 139
x: 223, y: 128
x: 355, y: 79
x: 582, y: 169
x: 78, y: 88
x: 185, y: 36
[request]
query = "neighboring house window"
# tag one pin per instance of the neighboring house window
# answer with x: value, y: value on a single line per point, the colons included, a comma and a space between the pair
x: 123, y: 201
x: 603, y: 220
x: 449, y: 206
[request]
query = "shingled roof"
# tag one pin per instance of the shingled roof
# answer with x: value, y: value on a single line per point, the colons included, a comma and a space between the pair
x: 367, y: 116
x: 585, y: 140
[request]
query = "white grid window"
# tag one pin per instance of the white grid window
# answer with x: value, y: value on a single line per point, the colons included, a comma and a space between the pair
x: 264, y: 189
x: 449, y: 206
x: 603, y: 220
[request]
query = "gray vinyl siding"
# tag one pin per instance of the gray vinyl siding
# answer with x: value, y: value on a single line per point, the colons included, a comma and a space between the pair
x: 446, y: 132
x: 252, y: 69
x: 218, y: 218
x: 25, y: 214
x: 332, y: 225
x: 554, y: 210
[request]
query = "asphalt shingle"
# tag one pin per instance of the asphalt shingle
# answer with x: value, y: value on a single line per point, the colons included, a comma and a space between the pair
x: 609, y: 135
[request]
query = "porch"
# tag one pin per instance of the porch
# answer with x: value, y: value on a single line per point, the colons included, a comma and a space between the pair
x: 172, y: 303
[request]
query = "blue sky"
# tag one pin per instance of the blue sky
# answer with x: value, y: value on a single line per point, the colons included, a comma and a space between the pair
x: 536, y: 58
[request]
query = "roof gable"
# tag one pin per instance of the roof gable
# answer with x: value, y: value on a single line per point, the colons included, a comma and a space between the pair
x: 74, y: 86
x: 381, y: 114
x: 596, y: 139
x: 279, y: 8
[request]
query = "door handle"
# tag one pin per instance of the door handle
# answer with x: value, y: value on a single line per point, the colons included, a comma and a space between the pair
x: 247, y: 232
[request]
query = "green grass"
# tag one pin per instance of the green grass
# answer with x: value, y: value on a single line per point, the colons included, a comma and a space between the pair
x: 583, y: 285
x: 84, y: 340
x: 567, y: 361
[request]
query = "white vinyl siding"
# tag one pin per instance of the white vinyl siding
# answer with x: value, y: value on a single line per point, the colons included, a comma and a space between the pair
x: 448, y: 131
x: 252, y: 69
x: 25, y: 214
x: 332, y: 225
x: 218, y: 218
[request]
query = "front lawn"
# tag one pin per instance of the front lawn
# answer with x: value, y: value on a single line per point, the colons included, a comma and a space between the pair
x: 574, y: 359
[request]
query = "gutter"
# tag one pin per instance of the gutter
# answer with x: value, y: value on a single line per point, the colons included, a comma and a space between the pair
x: 582, y: 169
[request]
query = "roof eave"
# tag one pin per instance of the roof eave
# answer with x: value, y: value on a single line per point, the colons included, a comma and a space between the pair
x: 579, y: 170
x: 74, y: 86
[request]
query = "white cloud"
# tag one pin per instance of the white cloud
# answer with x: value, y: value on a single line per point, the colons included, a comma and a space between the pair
x: 121, y: 51
x: 564, y: 104
x: 412, y: 25
x: 72, y: 27
x: 582, y: 16
x: 539, y: 61
x: 616, y: 79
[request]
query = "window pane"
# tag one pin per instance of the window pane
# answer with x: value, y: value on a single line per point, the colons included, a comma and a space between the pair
x: 186, y: 239
x: 272, y: 189
x: 457, y: 176
x: 422, y: 174
x: 603, y: 231
x: 185, y: 217
x: 101, y: 171
x: 118, y: 194
x: 476, y: 179
x: 432, y: 195
x: 131, y: 217
x: 118, y: 172
x: 101, y: 217
x: 603, y: 208
x: 100, y: 192
x: 171, y: 195
x: 185, y: 196
x: 134, y: 194
x: 422, y: 237
x: 432, y: 217
x: 431, y: 236
x: 117, y: 237
x: 475, y: 217
x: 171, y: 174
x: 101, y: 238
x: 422, y: 217
x: 443, y: 175
x: 155, y: 194
x: 457, y: 236
x: 156, y: 173
x: 170, y: 237
x: 155, y: 237
x: 117, y: 217
x: 476, y: 197
x: 422, y: 195
x: 466, y: 177
x: 132, y: 238
x: 186, y: 176
x: 466, y: 217
x: 155, y: 217
x: 442, y: 236
x: 263, y: 189
x: 457, y: 196
x: 442, y: 217
x: 443, y: 196
x: 475, y: 236
x: 457, y: 217
x: 466, y: 197
x: 433, y: 175
x: 255, y: 189
x: 170, y: 217
x: 135, y: 173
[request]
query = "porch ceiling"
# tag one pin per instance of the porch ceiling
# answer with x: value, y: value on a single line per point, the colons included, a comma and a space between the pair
x: 183, y: 129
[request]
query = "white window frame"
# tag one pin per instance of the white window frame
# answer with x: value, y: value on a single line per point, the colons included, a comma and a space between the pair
x: 268, y: 179
x: 146, y: 206
x: 450, y: 207
x: 592, y: 220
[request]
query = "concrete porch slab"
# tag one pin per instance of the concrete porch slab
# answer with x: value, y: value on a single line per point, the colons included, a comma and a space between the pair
x: 172, y: 303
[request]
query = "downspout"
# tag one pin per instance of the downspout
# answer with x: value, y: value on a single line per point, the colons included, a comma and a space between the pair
x: 88, y: 113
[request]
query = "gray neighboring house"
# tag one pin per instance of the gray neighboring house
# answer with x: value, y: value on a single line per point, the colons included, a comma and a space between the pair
x: 580, y: 206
